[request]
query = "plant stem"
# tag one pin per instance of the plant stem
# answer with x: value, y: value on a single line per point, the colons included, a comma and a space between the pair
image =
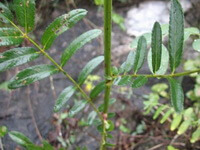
x: 107, y: 58
x: 1, y: 145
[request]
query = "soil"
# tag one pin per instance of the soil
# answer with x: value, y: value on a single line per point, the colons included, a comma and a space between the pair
x: 20, y: 107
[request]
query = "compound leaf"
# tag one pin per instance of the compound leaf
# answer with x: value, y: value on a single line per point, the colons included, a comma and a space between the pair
x: 25, y: 13
x: 31, y: 75
x: 78, y: 43
x: 156, y: 47
x: 65, y: 95
x: 90, y: 66
x: 176, y: 34
x: 5, y: 14
x: 10, y: 36
x: 16, y: 57
x: 60, y: 25
x: 140, y: 54
x: 176, y: 93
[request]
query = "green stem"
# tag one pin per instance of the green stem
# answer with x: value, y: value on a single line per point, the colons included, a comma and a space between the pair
x: 107, y: 58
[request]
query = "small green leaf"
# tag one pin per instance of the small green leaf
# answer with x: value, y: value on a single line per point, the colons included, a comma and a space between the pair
x: 97, y: 90
x: 184, y: 126
x: 78, y: 43
x: 190, y: 31
x: 31, y: 75
x: 158, y: 111
x: 195, y: 136
x: 16, y: 57
x: 196, y: 45
x: 176, y: 121
x: 164, y: 61
x: 147, y: 36
x: 123, y: 81
x: 166, y: 116
x: 60, y: 25
x: 109, y: 125
x: 25, y: 13
x: 65, y: 95
x: 140, y: 54
x: 139, y: 81
x: 176, y: 93
x: 156, y: 47
x: 78, y: 106
x: 19, y: 138
x: 3, y: 131
x: 10, y: 36
x: 47, y: 146
x: 128, y: 64
x: 90, y: 66
x: 91, y: 117
x: 176, y: 34
x: 171, y: 148
x: 6, y: 15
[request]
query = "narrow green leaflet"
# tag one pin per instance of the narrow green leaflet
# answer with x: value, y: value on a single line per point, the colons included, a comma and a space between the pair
x: 19, y: 138
x: 156, y: 47
x: 16, y: 57
x: 10, y: 36
x: 91, y: 117
x: 166, y: 116
x: 196, y: 45
x: 195, y: 136
x: 90, y: 66
x: 176, y: 34
x: 184, y: 126
x: 65, y: 95
x: 78, y: 106
x: 139, y: 81
x: 140, y: 54
x: 97, y: 90
x: 176, y: 93
x: 25, y: 13
x: 60, y: 25
x: 128, y: 64
x: 31, y: 75
x: 78, y: 43
x: 190, y: 31
x: 5, y: 14
x: 158, y: 111
x: 125, y: 80
x: 164, y: 61
x: 176, y: 121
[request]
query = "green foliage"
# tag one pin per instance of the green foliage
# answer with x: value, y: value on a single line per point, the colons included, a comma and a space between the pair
x: 3, y: 131
x: 6, y: 15
x: 139, y: 81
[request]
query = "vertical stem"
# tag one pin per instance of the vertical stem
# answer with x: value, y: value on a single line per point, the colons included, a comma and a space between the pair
x: 1, y: 145
x: 107, y: 57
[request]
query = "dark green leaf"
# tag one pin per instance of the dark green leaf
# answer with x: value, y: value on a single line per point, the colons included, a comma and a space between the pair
x: 97, y: 90
x: 10, y: 36
x: 78, y: 106
x: 25, y: 13
x: 128, y: 64
x: 196, y: 45
x: 19, y: 138
x: 31, y: 75
x: 33, y: 147
x: 65, y: 95
x: 140, y: 54
x: 78, y: 43
x: 16, y: 57
x: 156, y: 47
x: 5, y: 14
x: 90, y: 66
x: 124, y: 80
x: 139, y: 81
x: 60, y: 25
x: 164, y: 61
x: 177, y: 96
x: 176, y: 34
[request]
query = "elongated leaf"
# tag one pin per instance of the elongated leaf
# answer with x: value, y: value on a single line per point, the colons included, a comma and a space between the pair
x: 78, y: 43
x: 196, y: 45
x: 166, y: 116
x: 78, y: 106
x: 31, y: 75
x: 10, y: 36
x: 158, y: 111
x: 190, y: 31
x: 139, y: 81
x: 195, y: 136
x: 124, y: 80
x: 156, y: 47
x: 65, y: 95
x: 60, y: 25
x: 5, y: 14
x: 176, y: 93
x: 90, y: 66
x: 176, y: 34
x: 91, y: 117
x: 176, y: 122
x: 25, y: 13
x: 184, y: 126
x: 140, y: 54
x: 164, y: 61
x: 16, y: 57
x: 97, y: 90
x: 19, y: 138
x: 128, y: 64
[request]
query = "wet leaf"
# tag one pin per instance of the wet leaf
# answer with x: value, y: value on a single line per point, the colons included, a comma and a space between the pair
x: 60, y: 25
x: 31, y: 75
x: 16, y: 57
x: 139, y: 81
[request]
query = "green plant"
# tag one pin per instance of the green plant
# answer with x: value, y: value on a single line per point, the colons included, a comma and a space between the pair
x: 12, y: 34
